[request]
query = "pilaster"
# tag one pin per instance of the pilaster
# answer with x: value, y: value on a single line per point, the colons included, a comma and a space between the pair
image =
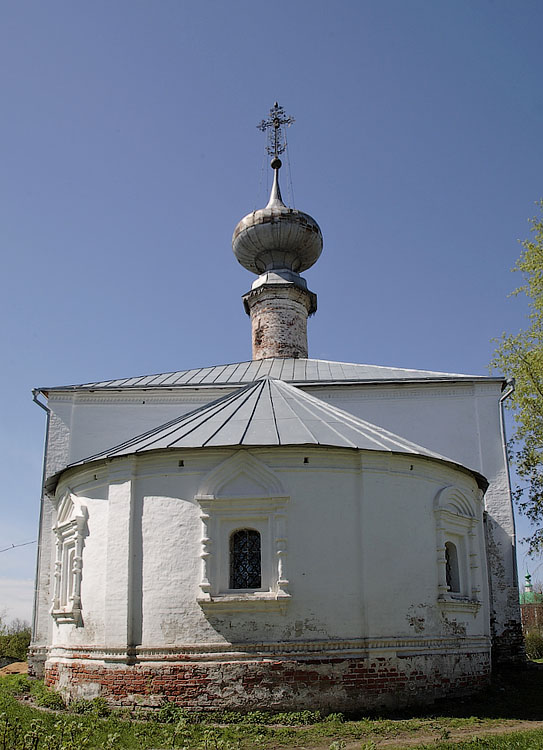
x: 120, y: 553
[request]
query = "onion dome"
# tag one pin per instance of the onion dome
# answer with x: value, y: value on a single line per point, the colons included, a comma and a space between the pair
x: 277, y: 237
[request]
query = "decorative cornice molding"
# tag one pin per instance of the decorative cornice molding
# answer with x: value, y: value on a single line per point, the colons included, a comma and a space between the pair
x: 362, y: 647
x: 195, y: 396
x: 411, y: 391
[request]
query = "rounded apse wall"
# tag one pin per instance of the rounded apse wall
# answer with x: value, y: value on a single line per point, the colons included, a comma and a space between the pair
x: 354, y: 609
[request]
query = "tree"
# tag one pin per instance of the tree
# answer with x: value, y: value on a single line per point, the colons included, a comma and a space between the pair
x: 520, y: 356
x: 14, y: 638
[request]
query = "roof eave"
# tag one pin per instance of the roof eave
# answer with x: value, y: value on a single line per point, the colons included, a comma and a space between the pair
x: 299, y: 383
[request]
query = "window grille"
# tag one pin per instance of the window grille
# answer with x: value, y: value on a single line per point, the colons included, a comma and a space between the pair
x: 245, y: 559
x: 451, y: 568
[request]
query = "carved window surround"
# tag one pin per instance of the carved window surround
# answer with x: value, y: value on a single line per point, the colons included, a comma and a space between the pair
x: 456, y: 522
x: 70, y: 530
x: 242, y: 492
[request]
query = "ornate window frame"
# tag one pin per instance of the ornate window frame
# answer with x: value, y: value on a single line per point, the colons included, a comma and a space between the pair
x: 242, y: 492
x: 456, y: 523
x: 70, y: 530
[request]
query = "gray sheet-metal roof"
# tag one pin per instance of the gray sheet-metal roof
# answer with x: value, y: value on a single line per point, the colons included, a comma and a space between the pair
x: 290, y: 370
x: 267, y: 412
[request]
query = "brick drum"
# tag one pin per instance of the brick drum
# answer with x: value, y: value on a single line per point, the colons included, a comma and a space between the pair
x: 279, y: 320
x: 327, y: 684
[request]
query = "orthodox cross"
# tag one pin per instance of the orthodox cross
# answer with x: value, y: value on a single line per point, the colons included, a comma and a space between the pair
x: 275, y: 123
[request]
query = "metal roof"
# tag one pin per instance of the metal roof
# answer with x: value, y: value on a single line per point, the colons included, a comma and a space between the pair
x: 299, y: 371
x: 267, y: 412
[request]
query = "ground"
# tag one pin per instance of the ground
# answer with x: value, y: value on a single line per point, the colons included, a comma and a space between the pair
x: 508, y: 715
x: 18, y: 667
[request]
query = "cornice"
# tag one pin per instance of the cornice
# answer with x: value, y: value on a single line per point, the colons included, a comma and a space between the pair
x: 201, y: 652
x: 140, y: 398
x: 203, y: 393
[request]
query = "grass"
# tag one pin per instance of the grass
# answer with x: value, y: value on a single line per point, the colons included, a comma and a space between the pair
x: 30, y: 719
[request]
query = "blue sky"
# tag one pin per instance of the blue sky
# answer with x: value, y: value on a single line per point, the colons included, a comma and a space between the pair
x: 130, y: 152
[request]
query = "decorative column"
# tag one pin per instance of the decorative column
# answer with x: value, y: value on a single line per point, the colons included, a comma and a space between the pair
x: 442, y: 588
x: 205, y: 585
x: 475, y: 590
x: 281, y: 551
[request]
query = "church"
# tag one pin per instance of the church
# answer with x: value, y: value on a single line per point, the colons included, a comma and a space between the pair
x: 282, y: 533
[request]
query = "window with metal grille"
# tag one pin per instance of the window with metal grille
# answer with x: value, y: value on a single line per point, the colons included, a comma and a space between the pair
x: 451, y: 568
x: 245, y: 559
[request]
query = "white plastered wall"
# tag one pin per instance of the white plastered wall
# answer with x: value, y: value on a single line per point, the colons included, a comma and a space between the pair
x: 461, y: 421
x: 344, y: 551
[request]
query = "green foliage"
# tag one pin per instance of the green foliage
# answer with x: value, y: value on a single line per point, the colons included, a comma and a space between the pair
x: 14, y: 638
x: 96, y: 707
x: 517, y: 741
x: 257, y: 718
x: 300, y: 718
x: 520, y: 356
x: 337, y: 717
x: 534, y: 644
x: 170, y: 713
x: 46, y: 698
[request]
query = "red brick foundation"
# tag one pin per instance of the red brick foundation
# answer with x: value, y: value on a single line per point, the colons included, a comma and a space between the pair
x: 339, y: 684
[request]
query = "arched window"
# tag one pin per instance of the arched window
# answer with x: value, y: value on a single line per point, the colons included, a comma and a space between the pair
x: 245, y: 559
x: 451, y: 568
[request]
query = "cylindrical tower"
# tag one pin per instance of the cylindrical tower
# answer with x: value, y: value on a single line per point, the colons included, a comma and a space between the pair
x: 277, y: 242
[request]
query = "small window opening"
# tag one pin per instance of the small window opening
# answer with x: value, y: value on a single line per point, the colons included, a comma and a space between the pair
x: 451, y: 567
x: 181, y: 462
x: 306, y: 460
x: 245, y: 559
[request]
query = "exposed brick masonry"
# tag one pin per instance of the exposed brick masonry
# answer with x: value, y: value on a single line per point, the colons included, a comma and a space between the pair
x: 278, y: 321
x: 327, y: 684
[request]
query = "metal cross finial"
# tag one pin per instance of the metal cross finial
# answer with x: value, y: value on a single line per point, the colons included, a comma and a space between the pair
x: 277, y: 141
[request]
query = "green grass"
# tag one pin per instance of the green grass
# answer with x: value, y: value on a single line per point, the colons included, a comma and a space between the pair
x: 91, y: 724
x: 518, y: 741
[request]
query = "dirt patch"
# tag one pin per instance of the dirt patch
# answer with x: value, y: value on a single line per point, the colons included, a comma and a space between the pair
x: 18, y: 667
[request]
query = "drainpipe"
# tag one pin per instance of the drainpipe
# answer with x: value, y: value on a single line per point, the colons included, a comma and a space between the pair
x: 35, y: 393
x: 508, y: 391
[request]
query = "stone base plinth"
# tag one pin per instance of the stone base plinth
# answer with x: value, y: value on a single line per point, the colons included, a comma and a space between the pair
x: 328, y: 684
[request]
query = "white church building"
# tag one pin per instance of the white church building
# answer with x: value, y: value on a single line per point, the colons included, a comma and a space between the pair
x: 282, y: 533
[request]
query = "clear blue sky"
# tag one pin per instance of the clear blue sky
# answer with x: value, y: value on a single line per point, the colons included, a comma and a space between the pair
x: 129, y: 153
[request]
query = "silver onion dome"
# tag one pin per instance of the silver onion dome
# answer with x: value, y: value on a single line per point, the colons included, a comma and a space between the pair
x: 277, y: 237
